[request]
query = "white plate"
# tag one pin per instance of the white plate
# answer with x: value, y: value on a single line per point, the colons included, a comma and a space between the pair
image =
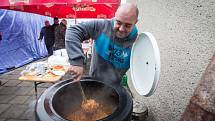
x: 58, y: 72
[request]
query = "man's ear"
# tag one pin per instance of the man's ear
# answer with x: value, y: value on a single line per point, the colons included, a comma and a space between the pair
x: 136, y: 21
x: 138, y: 18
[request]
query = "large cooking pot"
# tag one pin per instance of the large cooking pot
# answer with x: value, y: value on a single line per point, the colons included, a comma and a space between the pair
x: 62, y: 99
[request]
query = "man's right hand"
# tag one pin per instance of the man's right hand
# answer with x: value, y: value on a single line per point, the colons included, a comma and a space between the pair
x: 76, y: 72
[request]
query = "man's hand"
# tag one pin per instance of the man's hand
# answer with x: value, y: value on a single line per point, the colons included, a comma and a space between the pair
x: 76, y: 72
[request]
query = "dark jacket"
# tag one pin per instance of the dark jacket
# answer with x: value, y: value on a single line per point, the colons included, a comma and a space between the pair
x: 60, y: 36
x: 47, y: 33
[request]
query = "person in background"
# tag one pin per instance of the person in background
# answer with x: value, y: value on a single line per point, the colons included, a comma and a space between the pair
x: 113, y: 40
x: 60, y: 35
x: 47, y: 33
x: 0, y: 36
x: 56, y: 23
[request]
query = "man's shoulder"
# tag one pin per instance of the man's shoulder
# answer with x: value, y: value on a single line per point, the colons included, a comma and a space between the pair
x: 103, y: 24
x: 43, y: 28
x: 103, y: 21
x: 97, y: 21
x: 55, y: 25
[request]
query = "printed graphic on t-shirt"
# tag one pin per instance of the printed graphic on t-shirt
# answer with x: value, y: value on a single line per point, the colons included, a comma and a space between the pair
x: 114, y: 54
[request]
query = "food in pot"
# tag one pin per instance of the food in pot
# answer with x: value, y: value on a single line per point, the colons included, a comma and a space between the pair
x: 89, y: 105
x: 90, y: 111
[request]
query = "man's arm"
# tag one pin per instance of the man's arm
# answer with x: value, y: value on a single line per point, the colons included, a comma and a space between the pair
x: 75, y: 35
x: 42, y: 33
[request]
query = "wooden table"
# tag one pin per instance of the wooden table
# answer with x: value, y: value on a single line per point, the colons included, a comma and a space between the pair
x: 41, y: 79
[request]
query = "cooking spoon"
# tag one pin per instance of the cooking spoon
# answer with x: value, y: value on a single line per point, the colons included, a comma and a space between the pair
x: 82, y: 92
x: 80, y: 87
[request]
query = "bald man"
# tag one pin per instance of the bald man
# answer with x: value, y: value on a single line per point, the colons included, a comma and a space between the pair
x: 113, y: 40
x: 47, y: 33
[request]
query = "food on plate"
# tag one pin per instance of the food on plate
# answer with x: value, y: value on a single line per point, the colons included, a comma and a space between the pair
x: 28, y: 73
x: 58, y: 72
x: 50, y: 74
x: 58, y: 67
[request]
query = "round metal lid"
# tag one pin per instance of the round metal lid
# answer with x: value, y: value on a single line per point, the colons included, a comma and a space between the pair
x: 145, y: 64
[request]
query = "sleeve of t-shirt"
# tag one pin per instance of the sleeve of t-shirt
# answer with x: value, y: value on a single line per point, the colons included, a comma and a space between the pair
x: 75, y: 35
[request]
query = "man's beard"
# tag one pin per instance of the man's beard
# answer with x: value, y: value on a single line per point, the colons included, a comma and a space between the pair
x: 116, y: 31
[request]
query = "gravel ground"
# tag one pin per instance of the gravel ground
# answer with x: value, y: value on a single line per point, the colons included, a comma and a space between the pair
x: 185, y: 32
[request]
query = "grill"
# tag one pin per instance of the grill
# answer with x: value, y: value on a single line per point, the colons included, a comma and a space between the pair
x: 64, y: 99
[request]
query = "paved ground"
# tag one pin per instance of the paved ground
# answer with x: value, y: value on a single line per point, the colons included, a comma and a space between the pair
x: 185, y: 32
x: 17, y: 98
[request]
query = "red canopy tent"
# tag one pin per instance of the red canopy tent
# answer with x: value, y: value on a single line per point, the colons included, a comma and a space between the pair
x: 64, y: 8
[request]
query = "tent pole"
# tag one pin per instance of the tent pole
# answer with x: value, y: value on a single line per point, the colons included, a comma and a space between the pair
x: 75, y: 15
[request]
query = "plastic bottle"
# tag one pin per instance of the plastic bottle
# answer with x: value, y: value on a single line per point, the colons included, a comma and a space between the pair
x: 124, y: 81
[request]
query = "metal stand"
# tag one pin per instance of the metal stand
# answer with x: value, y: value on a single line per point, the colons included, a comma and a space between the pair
x: 35, y: 86
x: 140, y: 111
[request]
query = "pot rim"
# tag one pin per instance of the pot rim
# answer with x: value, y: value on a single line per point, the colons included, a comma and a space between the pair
x: 56, y: 87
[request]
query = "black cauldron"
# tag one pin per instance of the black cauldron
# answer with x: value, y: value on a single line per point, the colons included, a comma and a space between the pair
x: 64, y: 97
